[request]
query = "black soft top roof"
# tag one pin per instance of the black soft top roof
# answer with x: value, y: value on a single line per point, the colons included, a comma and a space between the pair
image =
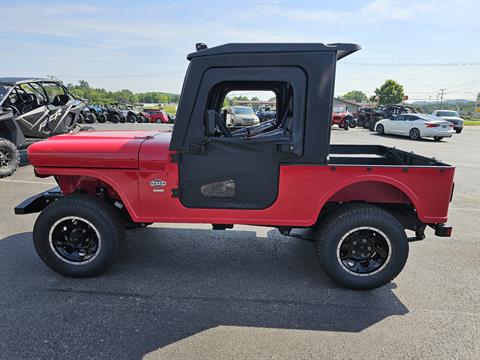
x: 24, y: 80
x: 245, y: 48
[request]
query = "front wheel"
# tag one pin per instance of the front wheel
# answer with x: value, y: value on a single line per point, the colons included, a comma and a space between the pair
x: 362, y: 247
x: 438, y: 138
x: 9, y: 158
x: 380, y: 129
x: 132, y: 118
x: 458, y: 131
x: 78, y: 235
x: 102, y: 118
x: 414, y: 134
x: 91, y: 119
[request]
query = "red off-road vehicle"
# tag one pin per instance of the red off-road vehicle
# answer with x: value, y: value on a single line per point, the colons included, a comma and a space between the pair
x: 341, y: 117
x: 354, y: 201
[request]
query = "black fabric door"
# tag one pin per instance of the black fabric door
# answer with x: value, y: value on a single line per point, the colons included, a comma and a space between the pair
x: 233, y: 173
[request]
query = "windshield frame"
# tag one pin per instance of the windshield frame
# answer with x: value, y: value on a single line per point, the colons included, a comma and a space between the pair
x: 7, y: 94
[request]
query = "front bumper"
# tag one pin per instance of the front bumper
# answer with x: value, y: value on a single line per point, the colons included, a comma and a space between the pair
x: 38, y: 202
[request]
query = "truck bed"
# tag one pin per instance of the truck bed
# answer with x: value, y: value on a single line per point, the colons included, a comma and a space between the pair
x: 378, y: 155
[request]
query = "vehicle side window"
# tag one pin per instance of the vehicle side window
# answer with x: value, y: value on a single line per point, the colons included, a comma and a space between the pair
x: 56, y: 94
x: 252, y: 110
x: 399, y: 118
x: 411, y: 117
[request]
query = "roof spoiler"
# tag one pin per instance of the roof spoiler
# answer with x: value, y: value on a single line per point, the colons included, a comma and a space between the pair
x: 342, y: 49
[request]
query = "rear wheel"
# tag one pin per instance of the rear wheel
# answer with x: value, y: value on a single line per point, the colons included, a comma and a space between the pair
x: 78, y: 235
x: 132, y: 118
x: 9, y: 158
x: 123, y: 119
x: 362, y: 247
x: 90, y: 118
x: 414, y: 134
x: 380, y: 129
x: 437, y: 138
x: 115, y: 118
x: 352, y: 123
x: 102, y: 118
x: 458, y: 131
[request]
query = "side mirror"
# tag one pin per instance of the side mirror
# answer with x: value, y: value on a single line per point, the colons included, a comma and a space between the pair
x: 210, y: 123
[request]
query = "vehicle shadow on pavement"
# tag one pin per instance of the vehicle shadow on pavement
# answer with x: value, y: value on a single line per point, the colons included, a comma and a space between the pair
x: 169, y: 284
x: 406, y: 138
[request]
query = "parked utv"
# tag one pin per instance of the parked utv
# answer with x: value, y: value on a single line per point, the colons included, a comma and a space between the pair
x: 355, y: 201
x: 86, y: 116
x: 363, y: 116
x: 341, y: 117
x: 98, y: 110
x: 32, y: 109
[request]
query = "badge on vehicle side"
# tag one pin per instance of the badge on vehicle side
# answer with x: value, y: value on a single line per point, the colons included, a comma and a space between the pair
x: 156, y: 184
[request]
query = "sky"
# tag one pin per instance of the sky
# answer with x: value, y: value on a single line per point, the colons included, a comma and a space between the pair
x: 142, y: 45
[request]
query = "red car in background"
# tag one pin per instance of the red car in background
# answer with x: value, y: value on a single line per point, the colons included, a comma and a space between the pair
x: 341, y: 116
x: 157, y: 116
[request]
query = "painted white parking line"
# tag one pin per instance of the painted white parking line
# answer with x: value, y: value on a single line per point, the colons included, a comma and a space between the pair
x: 27, y: 182
x: 464, y: 209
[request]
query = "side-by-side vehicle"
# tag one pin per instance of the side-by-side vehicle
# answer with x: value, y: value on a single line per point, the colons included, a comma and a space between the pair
x: 30, y: 110
x: 355, y: 201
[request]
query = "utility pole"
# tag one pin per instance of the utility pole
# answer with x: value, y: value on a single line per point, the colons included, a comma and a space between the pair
x: 429, y: 99
x: 441, y: 93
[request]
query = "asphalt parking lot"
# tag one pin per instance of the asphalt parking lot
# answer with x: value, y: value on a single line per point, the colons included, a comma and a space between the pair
x: 187, y: 292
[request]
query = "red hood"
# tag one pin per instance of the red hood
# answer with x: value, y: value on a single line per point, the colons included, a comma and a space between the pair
x: 93, y: 149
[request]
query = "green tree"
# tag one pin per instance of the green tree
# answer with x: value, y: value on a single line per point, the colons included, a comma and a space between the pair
x: 356, y: 95
x: 255, y: 98
x: 391, y: 92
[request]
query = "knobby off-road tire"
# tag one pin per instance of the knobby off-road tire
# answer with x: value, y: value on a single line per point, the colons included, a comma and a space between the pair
x: 378, y: 235
x: 101, y: 118
x: 9, y: 158
x: 78, y: 235
x: 132, y: 118
x: 91, y: 119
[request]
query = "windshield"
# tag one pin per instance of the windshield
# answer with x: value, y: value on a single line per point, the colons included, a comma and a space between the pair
x: 447, y: 113
x: 4, y: 89
x: 243, y: 111
x: 339, y: 108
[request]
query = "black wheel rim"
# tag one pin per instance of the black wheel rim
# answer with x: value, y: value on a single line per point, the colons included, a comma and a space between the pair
x: 364, y: 251
x: 75, y: 240
x: 5, y: 158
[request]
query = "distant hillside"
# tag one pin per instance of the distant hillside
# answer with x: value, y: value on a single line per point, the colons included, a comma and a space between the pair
x: 449, y: 101
x: 461, y: 105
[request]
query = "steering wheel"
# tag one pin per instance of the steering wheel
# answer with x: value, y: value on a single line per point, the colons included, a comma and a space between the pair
x: 14, y: 109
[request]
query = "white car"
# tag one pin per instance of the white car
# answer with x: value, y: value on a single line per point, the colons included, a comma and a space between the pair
x: 416, y: 126
x: 241, y: 116
x: 451, y: 116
